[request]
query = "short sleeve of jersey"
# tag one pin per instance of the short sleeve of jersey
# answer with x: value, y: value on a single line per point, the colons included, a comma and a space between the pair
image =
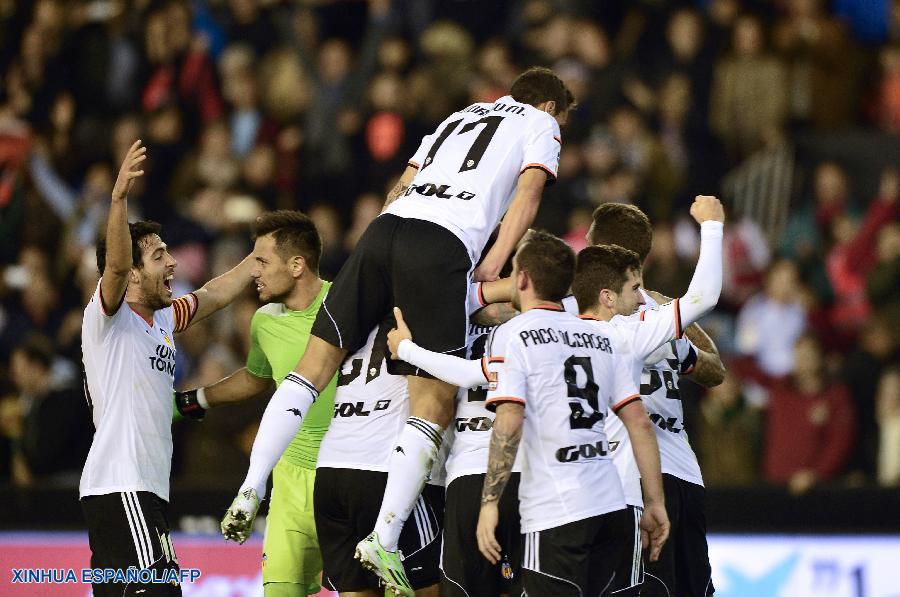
x: 625, y: 391
x: 542, y: 148
x: 657, y: 326
x: 508, y: 379
x: 96, y: 321
x: 475, y: 300
x: 257, y: 363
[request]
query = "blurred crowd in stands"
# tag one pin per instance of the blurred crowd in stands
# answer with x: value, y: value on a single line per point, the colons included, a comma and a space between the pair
x: 248, y: 105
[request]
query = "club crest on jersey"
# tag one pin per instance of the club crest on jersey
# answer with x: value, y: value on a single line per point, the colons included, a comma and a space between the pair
x: 166, y: 337
x: 506, y: 570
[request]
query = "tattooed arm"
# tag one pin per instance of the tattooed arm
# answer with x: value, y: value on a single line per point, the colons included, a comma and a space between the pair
x: 401, y: 186
x: 709, y: 370
x: 505, y: 438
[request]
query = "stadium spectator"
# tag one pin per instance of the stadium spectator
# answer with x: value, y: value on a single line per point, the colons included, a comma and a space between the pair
x: 56, y: 427
x: 810, y: 423
x: 770, y: 322
x: 889, y: 428
x: 728, y: 436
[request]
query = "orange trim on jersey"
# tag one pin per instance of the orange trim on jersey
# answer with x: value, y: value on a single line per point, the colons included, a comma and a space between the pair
x: 481, y: 300
x: 497, y: 360
x: 147, y: 321
x: 549, y: 308
x: 678, y: 330
x: 497, y: 399
x: 484, y: 369
x: 557, y: 139
x: 542, y: 167
x: 642, y: 315
x: 413, y: 164
x: 589, y: 318
x: 623, y: 403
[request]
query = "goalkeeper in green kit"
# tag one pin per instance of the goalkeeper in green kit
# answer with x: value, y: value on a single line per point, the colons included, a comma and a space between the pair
x: 286, y: 274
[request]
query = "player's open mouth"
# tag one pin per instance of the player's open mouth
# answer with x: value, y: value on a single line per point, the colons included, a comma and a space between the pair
x: 259, y: 287
x: 167, y: 282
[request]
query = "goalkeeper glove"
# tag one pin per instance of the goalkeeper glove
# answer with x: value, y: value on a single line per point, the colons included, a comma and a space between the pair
x: 191, y: 404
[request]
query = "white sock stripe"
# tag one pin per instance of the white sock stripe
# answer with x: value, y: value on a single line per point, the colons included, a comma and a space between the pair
x: 423, y: 426
x: 143, y: 525
x: 300, y: 380
x: 139, y: 547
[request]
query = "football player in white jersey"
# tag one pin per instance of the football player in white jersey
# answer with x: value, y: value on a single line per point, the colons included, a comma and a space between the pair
x: 483, y: 162
x: 683, y: 566
x: 370, y: 410
x: 558, y: 378
x: 129, y: 365
x: 464, y: 571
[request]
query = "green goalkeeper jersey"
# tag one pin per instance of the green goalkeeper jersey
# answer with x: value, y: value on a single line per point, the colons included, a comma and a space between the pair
x: 278, y: 338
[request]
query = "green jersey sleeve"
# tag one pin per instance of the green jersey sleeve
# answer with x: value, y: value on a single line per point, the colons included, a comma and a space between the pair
x: 257, y: 363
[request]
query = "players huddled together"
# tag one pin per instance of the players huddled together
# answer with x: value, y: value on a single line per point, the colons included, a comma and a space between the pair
x: 453, y: 414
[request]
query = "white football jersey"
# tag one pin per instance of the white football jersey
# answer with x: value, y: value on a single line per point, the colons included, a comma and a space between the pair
x: 129, y: 366
x: 473, y: 422
x: 469, y: 167
x: 568, y: 375
x: 638, y: 336
x: 662, y: 399
x: 370, y: 408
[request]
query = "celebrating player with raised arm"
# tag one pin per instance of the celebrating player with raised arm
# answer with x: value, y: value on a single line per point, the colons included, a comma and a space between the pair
x: 683, y: 566
x: 558, y: 378
x: 286, y: 257
x: 484, y: 161
x: 129, y: 365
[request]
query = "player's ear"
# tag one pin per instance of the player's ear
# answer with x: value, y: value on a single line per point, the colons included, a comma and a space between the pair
x: 550, y: 107
x: 522, y: 280
x: 134, y: 275
x: 298, y: 265
x: 606, y: 298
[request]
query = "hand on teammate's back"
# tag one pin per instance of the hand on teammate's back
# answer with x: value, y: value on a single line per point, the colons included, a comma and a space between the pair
x: 654, y: 528
x: 706, y: 208
x: 398, y: 334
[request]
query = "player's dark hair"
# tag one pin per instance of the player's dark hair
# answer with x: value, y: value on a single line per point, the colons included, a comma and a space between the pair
x: 538, y: 85
x: 37, y: 349
x: 138, y: 231
x: 624, y: 225
x: 550, y: 264
x: 602, y: 267
x: 294, y: 233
